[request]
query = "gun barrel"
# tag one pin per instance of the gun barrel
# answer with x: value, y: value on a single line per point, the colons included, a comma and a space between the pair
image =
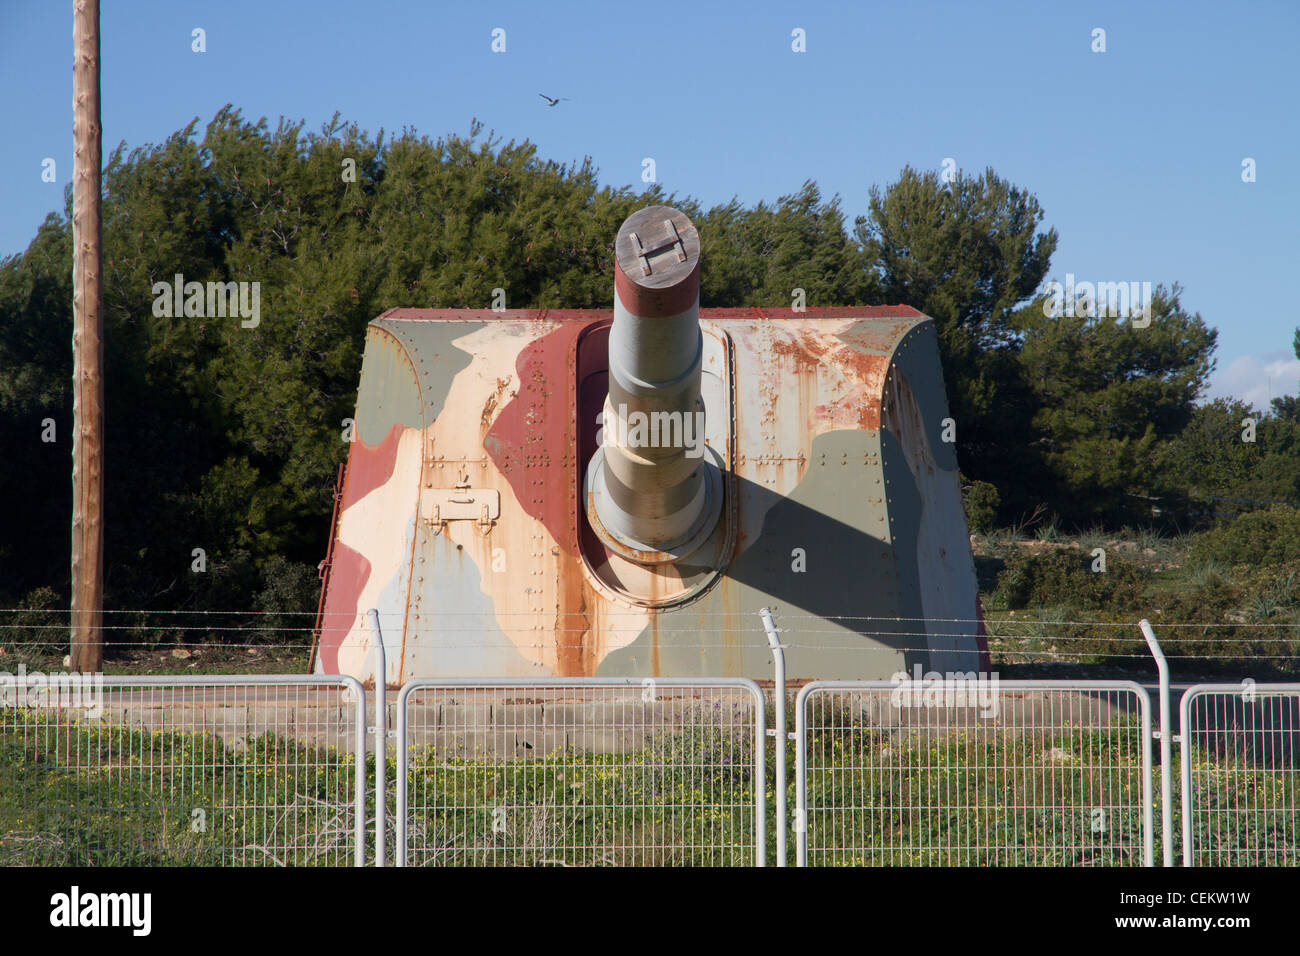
x: 652, y: 495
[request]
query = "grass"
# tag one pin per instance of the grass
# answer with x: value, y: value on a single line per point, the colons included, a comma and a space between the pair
x: 882, y: 799
x: 685, y: 797
x: 1204, y: 573
x: 97, y: 795
x: 101, y: 795
x: 1065, y: 797
x: 568, y: 809
x: 107, y: 796
x: 1247, y: 819
x: 1150, y: 539
x: 1093, y: 538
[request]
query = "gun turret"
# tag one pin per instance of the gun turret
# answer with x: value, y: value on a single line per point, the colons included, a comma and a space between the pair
x: 619, y: 492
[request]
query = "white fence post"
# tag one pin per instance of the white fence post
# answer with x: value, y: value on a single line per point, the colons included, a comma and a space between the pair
x: 1166, y: 748
x: 402, y: 835
x: 778, y: 733
x: 381, y: 739
x: 801, y: 777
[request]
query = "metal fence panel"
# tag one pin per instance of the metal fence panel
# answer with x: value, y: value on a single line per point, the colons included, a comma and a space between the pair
x: 166, y: 771
x: 581, y: 772
x: 1240, y: 774
x: 1000, y: 773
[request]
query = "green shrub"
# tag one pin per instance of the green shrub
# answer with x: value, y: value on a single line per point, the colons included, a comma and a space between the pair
x: 981, y: 502
x: 1205, y: 572
x: 1225, y: 640
x: 39, y: 622
x: 1065, y: 577
x: 1271, y: 591
x: 289, y: 588
x: 1257, y: 537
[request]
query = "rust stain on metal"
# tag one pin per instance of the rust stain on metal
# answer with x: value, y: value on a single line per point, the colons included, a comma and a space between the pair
x: 880, y: 336
x: 324, y: 567
x: 493, y: 400
x: 802, y: 360
x: 572, y: 624
x: 655, y: 668
x: 810, y: 351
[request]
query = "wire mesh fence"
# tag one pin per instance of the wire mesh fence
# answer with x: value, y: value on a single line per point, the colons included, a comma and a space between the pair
x: 165, y: 771
x: 619, y: 772
x: 960, y: 773
x: 249, y: 770
x: 1240, y: 774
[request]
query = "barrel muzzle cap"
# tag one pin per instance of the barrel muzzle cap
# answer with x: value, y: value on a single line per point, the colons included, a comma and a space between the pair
x: 658, y: 256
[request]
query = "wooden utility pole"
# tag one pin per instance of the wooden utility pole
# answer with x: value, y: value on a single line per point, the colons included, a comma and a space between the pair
x: 87, y: 349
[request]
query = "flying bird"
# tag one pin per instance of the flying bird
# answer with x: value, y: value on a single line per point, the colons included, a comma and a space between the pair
x: 552, y: 100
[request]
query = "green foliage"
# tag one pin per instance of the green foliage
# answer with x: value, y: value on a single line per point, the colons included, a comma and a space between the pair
x: 759, y: 256
x: 1226, y: 613
x: 1056, y: 608
x: 1065, y: 576
x: 683, y: 797
x: 1204, y: 572
x: 1091, y: 539
x: 967, y: 253
x: 1275, y: 591
x: 35, y: 384
x: 1109, y: 397
x: 39, y: 622
x: 981, y: 501
x: 1256, y: 538
x: 963, y: 797
x: 287, y: 599
x: 99, y: 795
x: 1211, y: 459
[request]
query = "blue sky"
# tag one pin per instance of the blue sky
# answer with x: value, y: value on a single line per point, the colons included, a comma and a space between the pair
x: 1135, y: 153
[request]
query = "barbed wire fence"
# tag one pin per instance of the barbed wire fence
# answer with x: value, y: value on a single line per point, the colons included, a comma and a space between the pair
x: 1014, y: 639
